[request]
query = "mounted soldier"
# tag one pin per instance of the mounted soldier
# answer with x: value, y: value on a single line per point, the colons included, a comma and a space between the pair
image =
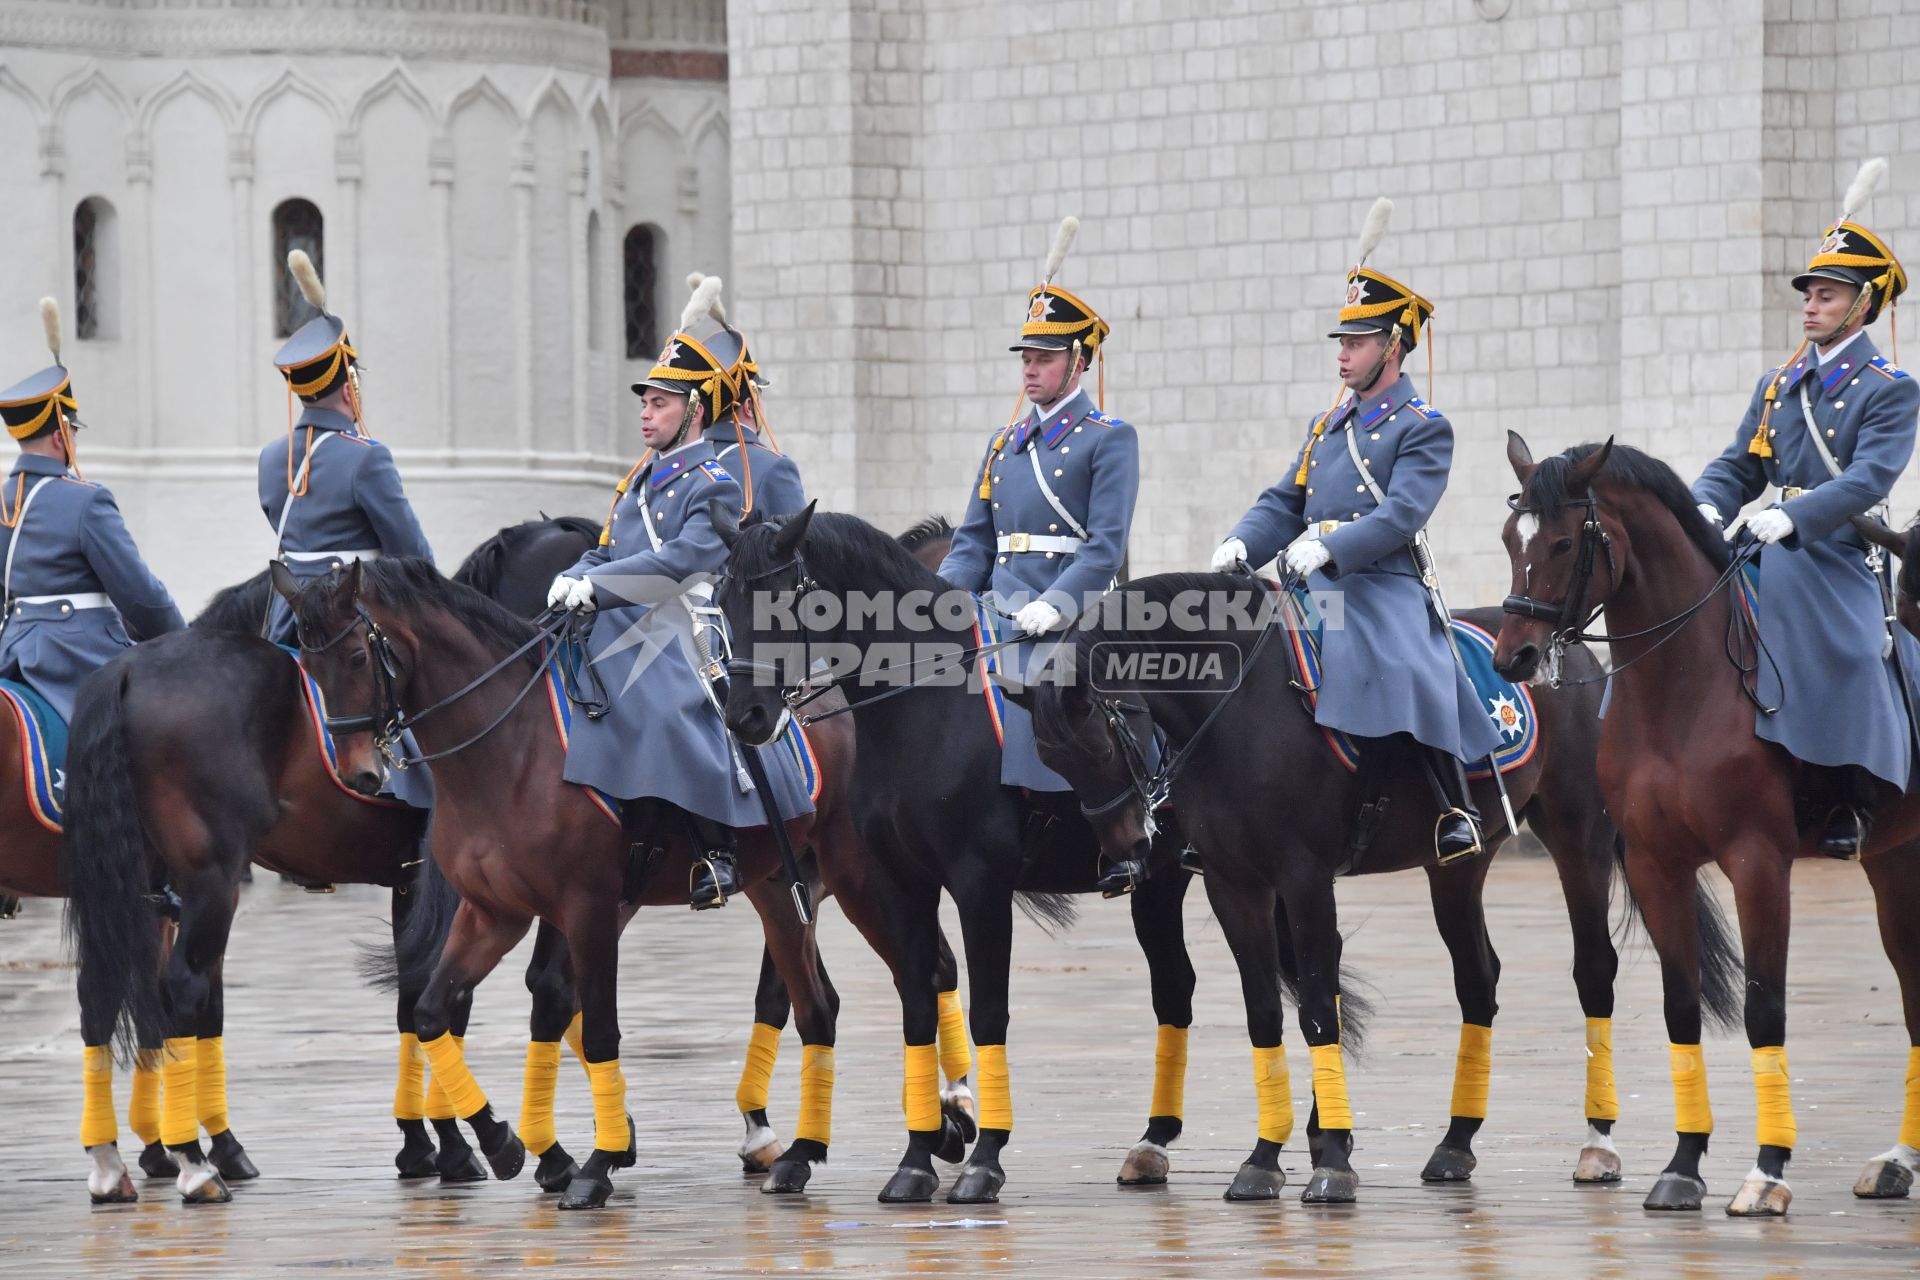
x: 1831, y: 429
x: 1346, y: 519
x: 769, y: 479
x: 330, y: 491
x: 77, y: 591
x: 660, y: 746
x: 1045, y: 531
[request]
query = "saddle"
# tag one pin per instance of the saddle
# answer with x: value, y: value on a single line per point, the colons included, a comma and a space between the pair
x: 43, y: 748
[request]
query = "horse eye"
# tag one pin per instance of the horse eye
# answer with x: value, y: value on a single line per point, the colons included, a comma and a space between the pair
x: 358, y: 660
x: 1562, y: 545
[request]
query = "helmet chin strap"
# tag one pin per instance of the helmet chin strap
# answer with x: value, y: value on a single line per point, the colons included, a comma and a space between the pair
x: 686, y: 421
x: 1073, y: 367
x: 1387, y: 351
x: 1854, y: 312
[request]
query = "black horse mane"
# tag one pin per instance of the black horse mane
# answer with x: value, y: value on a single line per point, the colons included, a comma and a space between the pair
x: 932, y: 529
x: 409, y: 583
x: 840, y: 548
x: 1547, y: 493
x: 241, y: 607
x: 482, y: 570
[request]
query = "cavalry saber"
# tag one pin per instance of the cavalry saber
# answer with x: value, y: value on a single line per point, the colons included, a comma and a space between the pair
x: 1423, y: 561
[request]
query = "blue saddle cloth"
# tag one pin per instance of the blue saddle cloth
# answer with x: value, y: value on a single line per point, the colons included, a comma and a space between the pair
x: 1508, y: 705
x: 43, y: 746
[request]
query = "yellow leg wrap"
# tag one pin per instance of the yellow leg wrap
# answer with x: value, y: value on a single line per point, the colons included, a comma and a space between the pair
x: 816, y: 1093
x: 439, y: 1105
x: 956, y: 1059
x: 178, y: 1123
x: 920, y: 1087
x: 1910, y: 1119
x: 410, y: 1087
x: 1472, y: 1072
x: 450, y: 1075
x: 1691, y: 1114
x: 1603, y: 1101
x: 572, y: 1035
x: 97, y: 1124
x: 1169, y: 1072
x: 1773, y: 1098
x: 610, y: 1131
x: 996, y: 1088
x: 210, y: 1085
x: 1273, y: 1087
x: 143, y: 1111
x: 763, y: 1048
x: 536, y: 1095
x: 1330, y: 1087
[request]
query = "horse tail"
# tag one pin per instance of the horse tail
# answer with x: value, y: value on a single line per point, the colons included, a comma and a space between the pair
x: 1722, y: 974
x: 1356, y: 1010
x: 110, y: 921
x: 428, y: 924
x: 1051, y: 911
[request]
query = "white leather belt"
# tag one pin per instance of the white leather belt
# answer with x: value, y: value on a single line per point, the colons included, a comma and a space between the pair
x: 1019, y: 542
x: 77, y: 599
x: 344, y: 557
x: 1321, y: 528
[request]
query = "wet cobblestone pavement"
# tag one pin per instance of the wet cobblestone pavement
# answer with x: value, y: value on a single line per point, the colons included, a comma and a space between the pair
x: 310, y: 1052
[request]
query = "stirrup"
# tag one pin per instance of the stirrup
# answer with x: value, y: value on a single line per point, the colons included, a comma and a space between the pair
x: 1120, y: 877
x: 1862, y: 828
x: 1477, y: 847
x: 1190, y: 861
x: 719, y: 898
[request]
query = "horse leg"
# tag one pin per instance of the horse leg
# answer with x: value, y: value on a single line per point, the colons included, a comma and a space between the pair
x: 1762, y: 884
x: 1665, y: 894
x: 475, y: 943
x: 1161, y: 933
x: 816, y: 1008
x: 554, y: 1004
x: 416, y: 1156
x: 1459, y: 910
x: 1895, y: 877
x: 592, y: 927
x: 1246, y: 915
x: 956, y: 1054
x: 210, y: 1084
x: 108, y: 1181
x: 929, y: 1132
x: 206, y: 917
x: 771, y: 1005
x: 986, y: 929
x: 1317, y: 946
x: 1583, y: 855
x: 143, y: 1108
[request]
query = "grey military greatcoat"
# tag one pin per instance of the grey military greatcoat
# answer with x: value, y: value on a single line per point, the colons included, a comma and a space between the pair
x: 1385, y: 665
x: 777, y: 489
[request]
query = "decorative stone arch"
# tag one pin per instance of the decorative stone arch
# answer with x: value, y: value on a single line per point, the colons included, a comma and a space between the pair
x: 188, y: 81
x: 646, y: 115
x: 288, y: 81
x: 713, y: 119
x: 89, y: 77
x: 550, y: 89
x: 398, y: 81
x: 481, y: 87
x: 10, y: 83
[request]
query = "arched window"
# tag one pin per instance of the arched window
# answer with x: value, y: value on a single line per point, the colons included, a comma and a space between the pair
x: 96, y: 269
x: 645, y: 247
x: 296, y: 225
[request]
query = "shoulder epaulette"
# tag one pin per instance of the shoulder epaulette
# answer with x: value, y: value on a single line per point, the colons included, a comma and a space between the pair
x: 1106, y: 419
x: 84, y: 484
x: 1886, y: 367
x: 715, y: 471
x: 363, y: 441
x: 1422, y: 408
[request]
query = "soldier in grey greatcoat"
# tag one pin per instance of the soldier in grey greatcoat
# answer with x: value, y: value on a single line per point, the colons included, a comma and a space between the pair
x: 769, y: 479
x: 1831, y: 429
x: 1368, y: 478
x: 662, y: 746
x: 77, y: 591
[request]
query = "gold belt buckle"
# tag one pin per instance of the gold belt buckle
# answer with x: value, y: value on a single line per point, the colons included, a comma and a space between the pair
x: 1790, y: 494
x: 1328, y: 526
x: 1019, y: 541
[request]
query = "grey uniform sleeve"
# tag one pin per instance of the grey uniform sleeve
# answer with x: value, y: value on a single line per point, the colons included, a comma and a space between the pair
x: 142, y: 599
x: 1881, y: 450
x: 1736, y: 477
x: 1275, y: 519
x: 377, y: 492
x: 1114, y: 486
x: 1419, y: 479
x: 777, y: 487
x: 650, y: 576
x: 969, y: 562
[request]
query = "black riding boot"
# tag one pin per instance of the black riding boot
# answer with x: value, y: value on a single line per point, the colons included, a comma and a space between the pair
x: 716, y: 875
x: 1457, y: 833
x: 1119, y: 876
x: 1850, y: 821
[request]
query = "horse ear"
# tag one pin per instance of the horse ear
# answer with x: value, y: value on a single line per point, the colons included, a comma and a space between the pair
x: 1520, y: 458
x: 794, y: 531
x: 283, y: 581
x: 729, y: 533
x: 1879, y: 535
x: 1580, y: 475
x: 349, y: 589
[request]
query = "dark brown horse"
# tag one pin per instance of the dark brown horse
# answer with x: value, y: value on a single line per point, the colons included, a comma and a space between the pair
x: 1606, y: 526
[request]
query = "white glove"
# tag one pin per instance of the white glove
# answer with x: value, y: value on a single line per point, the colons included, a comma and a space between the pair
x: 1306, y: 555
x: 1037, y: 618
x: 580, y: 596
x: 1770, y: 525
x: 1712, y: 513
x: 1227, y: 555
x: 557, y: 593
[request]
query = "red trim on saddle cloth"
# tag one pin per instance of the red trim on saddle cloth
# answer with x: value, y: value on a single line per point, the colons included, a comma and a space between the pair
x: 323, y: 743
x: 32, y: 750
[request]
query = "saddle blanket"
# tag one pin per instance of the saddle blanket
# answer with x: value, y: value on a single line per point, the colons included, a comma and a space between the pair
x: 43, y: 749
x: 1509, y: 706
x: 793, y: 739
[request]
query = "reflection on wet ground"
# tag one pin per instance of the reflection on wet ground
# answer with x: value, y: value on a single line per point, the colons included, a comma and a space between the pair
x: 310, y: 1053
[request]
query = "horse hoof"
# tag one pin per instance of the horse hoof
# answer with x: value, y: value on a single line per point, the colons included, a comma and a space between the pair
x: 555, y: 1170
x: 1760, y: 1197
x: 1676, y: 1191
x: 1449, y: 1164
x: 120, y: 1193
x: 158, y: 1162
x: 508, y: 1159
x: 109, y: 1182
x: 1597, y: 1164
x: 1884, y: 1179
x: 953, y: 1143
x: 910, y: 1185
x: 202, y: 1184
x: 586, y: 1191
x: 1331, y: 1186
x: 1255, y: 1183
x: 1146, y: 1165
x: 417, y: 1160
x: 957, y: 1107
x: 977, y: 1184
x: 230, y: 1158
x: 759, y: 1151
x: 788, y: 1178
x: 460, y: 1165
x: 631, y: 1156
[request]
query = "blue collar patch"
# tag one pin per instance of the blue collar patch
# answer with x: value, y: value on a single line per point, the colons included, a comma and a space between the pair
x: 658, y: 474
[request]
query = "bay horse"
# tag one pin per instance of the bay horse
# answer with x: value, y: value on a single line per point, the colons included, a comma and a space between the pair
x: 1609, y: 527
x: 1270, y: 807
x: 929, y: 806
x: 190, y: 755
